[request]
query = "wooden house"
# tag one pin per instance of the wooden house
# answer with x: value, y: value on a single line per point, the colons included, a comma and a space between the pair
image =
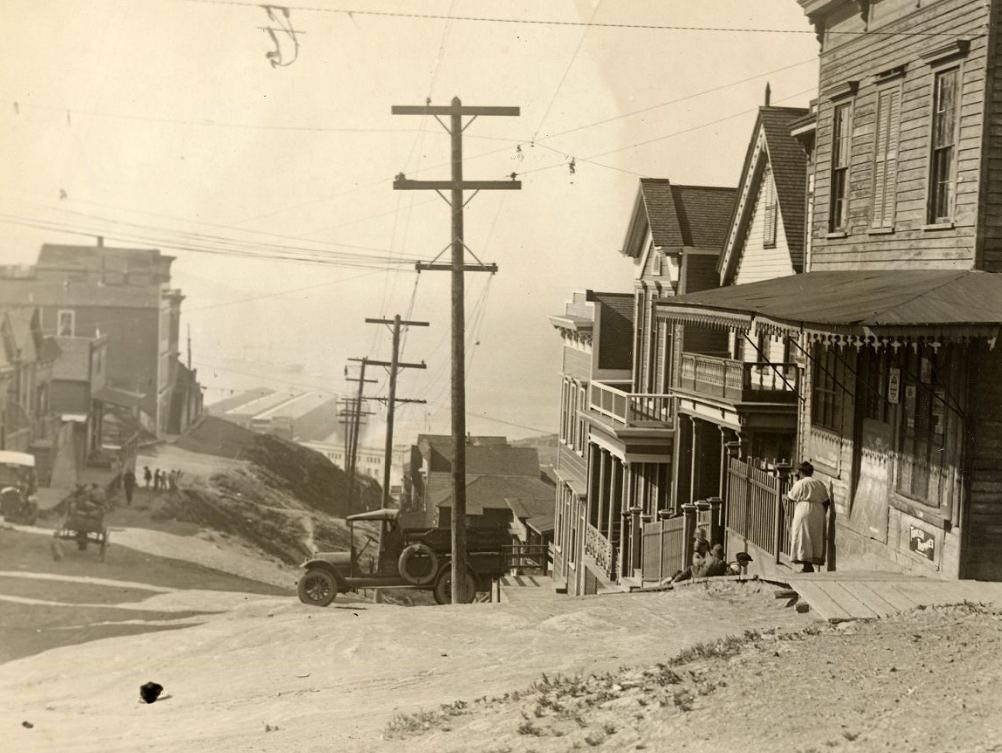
x: 895, y: 319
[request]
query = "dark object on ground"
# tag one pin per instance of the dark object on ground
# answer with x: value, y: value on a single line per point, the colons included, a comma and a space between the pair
x: 150, y: 691
x: 27, y: 725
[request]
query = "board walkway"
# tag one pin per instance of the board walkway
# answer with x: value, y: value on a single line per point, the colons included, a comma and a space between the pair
x: 837, y: 597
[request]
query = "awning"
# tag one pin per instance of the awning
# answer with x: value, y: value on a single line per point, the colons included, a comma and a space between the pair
x: 120, y: 397
x: 854, y: 306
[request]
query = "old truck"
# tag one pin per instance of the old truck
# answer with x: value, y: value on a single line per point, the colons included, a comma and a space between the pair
x: 404, y: 558
x: 18, y: 486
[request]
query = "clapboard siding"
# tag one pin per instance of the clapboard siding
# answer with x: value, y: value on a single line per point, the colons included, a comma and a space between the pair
x: 990, y: 240
x: 859, y: 58
x: 756, y: 262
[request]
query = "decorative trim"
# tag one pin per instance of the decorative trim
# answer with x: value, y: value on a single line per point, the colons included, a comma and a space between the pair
x: 843, y: 90
x: 891, y: 74
x: 955, y: 48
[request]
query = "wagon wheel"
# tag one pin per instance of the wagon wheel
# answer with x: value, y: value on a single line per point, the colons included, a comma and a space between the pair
x: 57, y: 548
x: 104, y: 544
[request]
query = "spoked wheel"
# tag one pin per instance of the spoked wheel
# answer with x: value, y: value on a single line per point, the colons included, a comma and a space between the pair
x: 443, y: 587
x: 317, y: 588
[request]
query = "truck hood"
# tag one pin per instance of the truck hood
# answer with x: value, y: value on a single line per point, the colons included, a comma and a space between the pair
x: 338, y: 559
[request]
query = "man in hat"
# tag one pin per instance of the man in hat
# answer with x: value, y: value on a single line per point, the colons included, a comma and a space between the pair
x: 810, y: 516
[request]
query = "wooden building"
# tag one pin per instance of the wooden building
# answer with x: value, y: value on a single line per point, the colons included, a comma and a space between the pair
x: 895, y: 319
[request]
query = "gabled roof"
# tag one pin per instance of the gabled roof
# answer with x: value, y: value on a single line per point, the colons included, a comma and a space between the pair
x: 679, y: 215
x: 789, y: 171
x: 488, y: 491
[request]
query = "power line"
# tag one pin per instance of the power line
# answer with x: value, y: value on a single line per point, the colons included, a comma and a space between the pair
x: 557, y: 22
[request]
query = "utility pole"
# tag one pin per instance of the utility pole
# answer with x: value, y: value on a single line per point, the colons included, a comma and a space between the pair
x: 189, y: 347
x: 356, y: 421
x: 391, y: 402
x: 456, y: 185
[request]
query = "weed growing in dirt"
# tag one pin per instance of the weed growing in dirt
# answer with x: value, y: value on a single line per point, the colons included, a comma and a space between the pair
x: 528, y: 728
x: 683, y: 699
x: 408, y: 725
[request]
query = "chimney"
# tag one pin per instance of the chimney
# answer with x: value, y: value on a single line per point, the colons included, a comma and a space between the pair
x: 768, y: 93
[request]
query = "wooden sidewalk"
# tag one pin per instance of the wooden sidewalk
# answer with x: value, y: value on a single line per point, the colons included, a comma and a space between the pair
x: 865, y: 595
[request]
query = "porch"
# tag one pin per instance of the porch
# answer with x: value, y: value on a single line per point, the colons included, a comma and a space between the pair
x: 616, y: 405
x: 738, y: 381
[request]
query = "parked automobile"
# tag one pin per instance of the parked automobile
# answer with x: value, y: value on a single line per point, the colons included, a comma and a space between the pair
x: 18, y: 486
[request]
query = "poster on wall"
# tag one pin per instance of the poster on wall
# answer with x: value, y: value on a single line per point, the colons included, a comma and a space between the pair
x: 894, y: 386
x: 922, y: 543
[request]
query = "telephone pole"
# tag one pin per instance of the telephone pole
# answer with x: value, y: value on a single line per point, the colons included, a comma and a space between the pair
x: 456, y: 185
x: 391, y: 402
x: 356, y: 421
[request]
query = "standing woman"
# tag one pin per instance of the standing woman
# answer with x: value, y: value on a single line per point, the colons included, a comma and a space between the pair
x: 810, y: 519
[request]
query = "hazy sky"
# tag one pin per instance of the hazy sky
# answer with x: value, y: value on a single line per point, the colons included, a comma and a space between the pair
x: 162, y: 121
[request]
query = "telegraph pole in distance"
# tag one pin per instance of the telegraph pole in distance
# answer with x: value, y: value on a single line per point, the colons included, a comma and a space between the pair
x: 355, y: 423
x: 394, y: 366
x: 456, y: 185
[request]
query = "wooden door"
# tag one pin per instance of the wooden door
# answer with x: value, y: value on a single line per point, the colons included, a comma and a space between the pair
x: 872, y: 448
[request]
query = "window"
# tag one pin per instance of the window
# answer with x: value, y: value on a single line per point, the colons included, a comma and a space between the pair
x: 66, y: 326
x: 922, y: 446
x: 582, y: 406
x: 838, y: 205
x: 885, y: 158
x: 657, y: 258
x: 830, y: 404
x: 944, y: 146
x: 875, y: 374
x: 770, y: 209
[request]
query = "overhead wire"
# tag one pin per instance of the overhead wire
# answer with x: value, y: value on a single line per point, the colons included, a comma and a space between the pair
x: 352, y: 12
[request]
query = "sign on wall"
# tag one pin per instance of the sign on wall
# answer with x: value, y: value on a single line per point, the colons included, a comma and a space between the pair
x: 894, y: 386
x: 922, y: 542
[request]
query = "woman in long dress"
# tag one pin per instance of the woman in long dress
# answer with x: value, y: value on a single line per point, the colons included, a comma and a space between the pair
x: 809, y: 527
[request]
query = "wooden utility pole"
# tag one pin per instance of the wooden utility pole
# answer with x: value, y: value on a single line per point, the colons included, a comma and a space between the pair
x: 356, y: 421
x: 456, y: 185
x: 391, y: 401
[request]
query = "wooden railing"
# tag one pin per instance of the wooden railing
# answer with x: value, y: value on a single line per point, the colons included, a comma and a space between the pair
x: 739, y: 381
x: 528, y: 557
x: 755, y: 510
x: 599, y: 548
x: 615, y: 401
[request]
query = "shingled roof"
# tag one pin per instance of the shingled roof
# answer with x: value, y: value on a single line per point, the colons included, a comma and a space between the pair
x: 687, y: 215
x: 789, y: 171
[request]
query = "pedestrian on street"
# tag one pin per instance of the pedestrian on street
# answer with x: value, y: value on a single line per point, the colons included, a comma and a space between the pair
x: 129, y: 484
x: 810, y: 517
x: 147, y: 476
x: 157, y: 480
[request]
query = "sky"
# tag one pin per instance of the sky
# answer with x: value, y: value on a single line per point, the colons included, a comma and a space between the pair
x: 163, y: 123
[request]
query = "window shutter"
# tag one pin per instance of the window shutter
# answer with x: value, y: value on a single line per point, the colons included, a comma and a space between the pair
x: 885, y: 162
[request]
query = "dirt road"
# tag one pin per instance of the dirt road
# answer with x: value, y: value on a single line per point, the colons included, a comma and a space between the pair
x: 332, y: 679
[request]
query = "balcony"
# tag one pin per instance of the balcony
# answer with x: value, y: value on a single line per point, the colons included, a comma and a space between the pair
x: 739, y: 381
x: 614, y: 401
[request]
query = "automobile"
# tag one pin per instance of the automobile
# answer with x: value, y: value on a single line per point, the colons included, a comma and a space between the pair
x: 403, y: 558
x: 18, y: 486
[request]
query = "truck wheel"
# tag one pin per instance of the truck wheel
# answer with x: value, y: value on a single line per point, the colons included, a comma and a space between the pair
x: 443, y: 587
x: 317, y: 588
x: 419, y: 551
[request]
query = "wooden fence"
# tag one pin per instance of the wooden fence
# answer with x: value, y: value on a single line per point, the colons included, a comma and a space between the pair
x: 664, y: 548
x: 754, y: 505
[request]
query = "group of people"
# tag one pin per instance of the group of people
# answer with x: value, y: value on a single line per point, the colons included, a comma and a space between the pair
x: 161, y: 480
x: 808, y: 531
x: 157, y: 480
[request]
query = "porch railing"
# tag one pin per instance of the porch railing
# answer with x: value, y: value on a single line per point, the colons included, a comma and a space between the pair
x: 615, y: 401
x: 739, y: 381
x: 599, y: 548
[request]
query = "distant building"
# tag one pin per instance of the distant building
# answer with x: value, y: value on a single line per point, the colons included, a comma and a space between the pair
x: 26, y: 359
x: 302, y: 417
x: 124, y: 293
